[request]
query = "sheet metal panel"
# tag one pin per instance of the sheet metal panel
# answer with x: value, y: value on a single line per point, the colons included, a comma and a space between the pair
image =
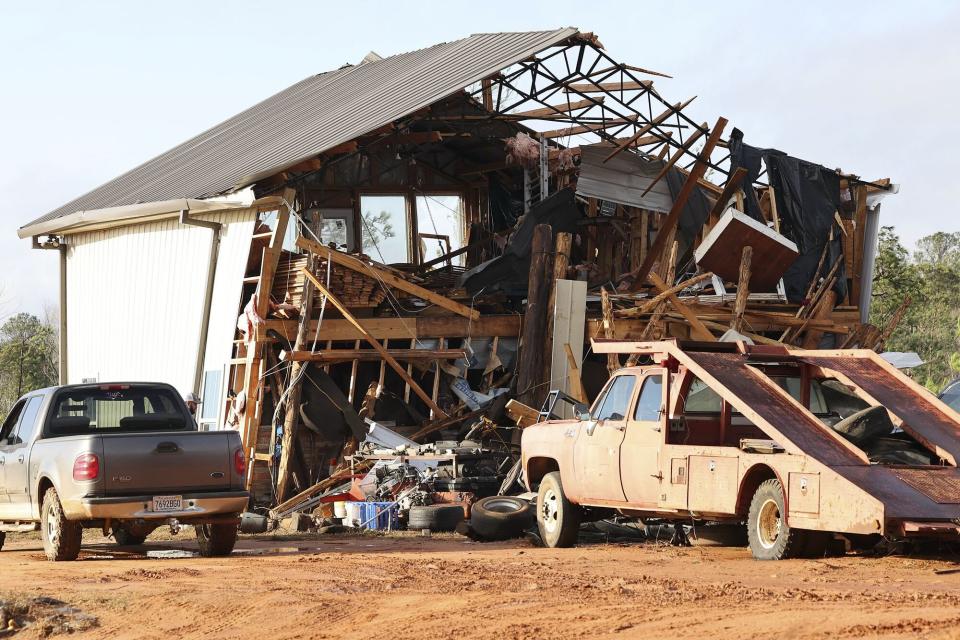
x: 755, y: 392
x: 918, y: 410
x: 313, y: 115
x: 623, y: 179
x: 135, y: 299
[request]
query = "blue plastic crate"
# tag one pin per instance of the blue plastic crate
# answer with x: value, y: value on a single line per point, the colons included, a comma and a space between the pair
x: 380, y: 516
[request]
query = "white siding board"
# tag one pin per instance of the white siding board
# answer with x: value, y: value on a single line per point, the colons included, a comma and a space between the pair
x: 135, y: 298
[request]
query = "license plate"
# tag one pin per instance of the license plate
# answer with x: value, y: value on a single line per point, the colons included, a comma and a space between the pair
x: 168, y: 503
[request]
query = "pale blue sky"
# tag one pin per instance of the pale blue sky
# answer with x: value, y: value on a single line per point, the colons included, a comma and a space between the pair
x: 92, y: 89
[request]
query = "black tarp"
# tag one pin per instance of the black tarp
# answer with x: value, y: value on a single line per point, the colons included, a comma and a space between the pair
x: 510, y: 271
x: 808, y: 198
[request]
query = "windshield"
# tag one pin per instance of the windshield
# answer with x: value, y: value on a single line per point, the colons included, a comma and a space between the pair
x: 951, y: 395
x: 118, y: 408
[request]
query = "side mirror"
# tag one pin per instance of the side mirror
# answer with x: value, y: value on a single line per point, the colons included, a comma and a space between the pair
x: 582, y: 411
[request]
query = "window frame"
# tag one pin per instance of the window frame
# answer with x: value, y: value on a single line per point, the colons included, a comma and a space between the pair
x: 602, y: 398
x: 659, y: 375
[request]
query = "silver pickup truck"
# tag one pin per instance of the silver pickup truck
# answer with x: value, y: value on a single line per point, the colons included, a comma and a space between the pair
x: 125, y: 458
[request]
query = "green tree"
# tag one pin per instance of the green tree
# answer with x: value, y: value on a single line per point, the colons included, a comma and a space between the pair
x: 376, y: 228
x: 931, y: 277
x: 28, y: 357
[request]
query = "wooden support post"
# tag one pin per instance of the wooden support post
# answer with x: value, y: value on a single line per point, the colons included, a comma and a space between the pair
x: 532, y: 352
x: 375, y: 344
x: 561, y: 260
x: 609, y: 331
x: 743, y: 289
x: 291, y: 418
x: 574, y: 372
x: 670, y: 223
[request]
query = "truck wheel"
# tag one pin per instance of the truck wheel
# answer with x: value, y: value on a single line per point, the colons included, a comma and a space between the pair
x: 123, y: 537
x: 3, y: 538
x: 61, y: 537
x: 767, y: 531
x: 216, y: 539
x: 557, y: 518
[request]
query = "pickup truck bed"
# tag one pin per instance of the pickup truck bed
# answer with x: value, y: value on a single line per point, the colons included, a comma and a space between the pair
x: 123, y: 457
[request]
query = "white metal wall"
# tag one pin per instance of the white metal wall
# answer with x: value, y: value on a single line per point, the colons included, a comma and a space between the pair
x: 135, y: 299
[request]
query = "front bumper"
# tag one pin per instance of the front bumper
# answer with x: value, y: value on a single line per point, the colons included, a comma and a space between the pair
x: 196, y: 505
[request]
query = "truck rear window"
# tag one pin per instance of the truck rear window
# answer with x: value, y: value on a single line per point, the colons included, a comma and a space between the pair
x: 117, y: 408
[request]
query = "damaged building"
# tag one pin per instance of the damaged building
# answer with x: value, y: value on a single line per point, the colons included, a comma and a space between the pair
x: 416, y: 240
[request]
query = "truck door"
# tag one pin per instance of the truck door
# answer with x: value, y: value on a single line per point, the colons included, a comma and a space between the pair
x: 6, y: 431
x: 17, y: 462
x: 642, y: 444
x: 596, y: 453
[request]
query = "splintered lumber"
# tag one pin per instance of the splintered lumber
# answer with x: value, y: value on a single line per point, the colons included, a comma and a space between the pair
x: 573, y: 371
x: 669, y: 224
x: 743, y: 289
x: 387, y: 277
x: 729, y: 189
x: 347, y: 355
x: 700, y: 332
x: 822, y: 311
x: 589, y: 128
x: 337, y: 477
x: 521, y: 414
x: 677, y: 108
x: 396, y: 366
x: 605, y: 87
x: 684, y: 148
x: 613, y: 360
x: 753, y: 336
x: 553, y: 110
x: 652, y: 303
x: 532, y: 352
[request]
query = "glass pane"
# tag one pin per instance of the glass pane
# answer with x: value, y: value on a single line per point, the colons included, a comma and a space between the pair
x: 211, y: 395
x: 120, y: 407
x: 441, y: 226
x: 651, y: 398
x: 701, y: 398
x: 384, y: 232
x: 617, y: 400
x: 334, y: 230
x: 28, y: 422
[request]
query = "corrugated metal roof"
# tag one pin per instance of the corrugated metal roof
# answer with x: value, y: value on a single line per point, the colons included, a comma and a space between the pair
x: 315, y: 114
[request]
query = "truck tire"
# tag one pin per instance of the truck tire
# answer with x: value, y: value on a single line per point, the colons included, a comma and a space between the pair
x: 500, y: 517
x: 124, y: 538
x: 435, y: 517
x: 61, y: 537
x: 558, y: 519
x: 769, y: 536
x: 3, y: 538
x: 216, y: 539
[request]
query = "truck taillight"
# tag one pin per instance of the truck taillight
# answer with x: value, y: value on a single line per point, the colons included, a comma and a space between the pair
x: 86, y: 467
x: 239, y: 462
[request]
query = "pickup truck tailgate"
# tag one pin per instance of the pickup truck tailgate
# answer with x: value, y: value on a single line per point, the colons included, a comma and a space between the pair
x: 158, y: 462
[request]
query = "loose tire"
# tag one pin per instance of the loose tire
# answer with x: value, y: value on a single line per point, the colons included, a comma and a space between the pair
x: 124, y: 538
x: 500, y: 517
x: 61, y: 537
x: 767, y: 531
x: 216, y: 539
x: 558, y: 519
x: 435, y: 517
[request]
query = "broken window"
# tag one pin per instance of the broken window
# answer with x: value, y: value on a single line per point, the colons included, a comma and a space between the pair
x: 441, y: 226
x: 384, y: 228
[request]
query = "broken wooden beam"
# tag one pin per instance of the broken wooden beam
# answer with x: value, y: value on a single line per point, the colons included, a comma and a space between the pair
x: 699, y: 331
x: 743, y: 289
x: 347, y: 355
x: 684, y: 148
x: 386, y: 277
x: 606, y: 87
x: 669, y: 224
x: 677, y: 108
x: 417, y: 389
x: 553, y: 110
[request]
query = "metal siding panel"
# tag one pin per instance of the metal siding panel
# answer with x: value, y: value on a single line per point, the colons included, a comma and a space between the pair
x: 315, y: 114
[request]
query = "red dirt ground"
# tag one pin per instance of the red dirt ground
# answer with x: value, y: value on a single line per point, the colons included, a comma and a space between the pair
x: 403, y: 586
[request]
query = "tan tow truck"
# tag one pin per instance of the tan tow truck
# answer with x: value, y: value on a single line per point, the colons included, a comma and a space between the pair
x: 798, y: 445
